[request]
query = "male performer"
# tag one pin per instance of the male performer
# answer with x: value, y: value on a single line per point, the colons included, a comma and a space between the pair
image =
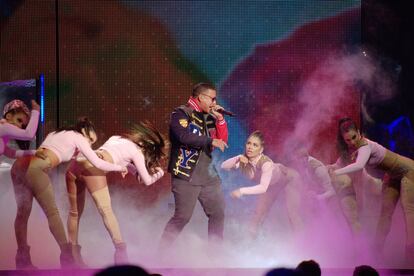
x: 195, y: 129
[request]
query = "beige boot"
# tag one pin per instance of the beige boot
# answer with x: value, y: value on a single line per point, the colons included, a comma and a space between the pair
x: 121, y: 255
x: 66, y: 256
x: 23, y: 259
x: 76, y: 252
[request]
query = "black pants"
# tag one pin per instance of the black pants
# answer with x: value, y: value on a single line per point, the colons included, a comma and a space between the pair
x: 186, y: 194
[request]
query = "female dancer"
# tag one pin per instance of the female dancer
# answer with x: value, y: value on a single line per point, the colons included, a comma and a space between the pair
x: 272, y: 178
x: 30, y: 179
x: 398, y: 180
x: 16, y: 116
x: 350, y: 187
x: 144, y: 147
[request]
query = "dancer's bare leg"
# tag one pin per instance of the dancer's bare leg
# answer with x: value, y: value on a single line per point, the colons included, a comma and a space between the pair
x: 76, y: 193
x: 24, y: 201
x: 96, y: 183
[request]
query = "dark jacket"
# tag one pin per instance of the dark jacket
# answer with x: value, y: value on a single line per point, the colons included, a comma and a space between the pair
x: 191, y: 133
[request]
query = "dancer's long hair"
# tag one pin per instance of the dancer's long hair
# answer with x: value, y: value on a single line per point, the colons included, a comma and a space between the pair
x: 344, y: 125
x: 153, y: 144
x: 82, y: 123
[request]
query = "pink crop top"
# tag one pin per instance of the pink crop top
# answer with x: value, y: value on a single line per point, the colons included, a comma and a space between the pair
x: 270, y: 173
x: 66, y: 143
x: 123, y: 151
x: 370, y: 155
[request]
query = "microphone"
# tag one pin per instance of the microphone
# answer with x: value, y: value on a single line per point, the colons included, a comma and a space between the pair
x: 225, y: 112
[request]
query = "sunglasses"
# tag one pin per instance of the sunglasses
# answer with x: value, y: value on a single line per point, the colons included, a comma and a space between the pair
x: 213, y: 99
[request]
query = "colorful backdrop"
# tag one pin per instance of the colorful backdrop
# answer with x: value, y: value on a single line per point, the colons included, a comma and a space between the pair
x: 273, y: 62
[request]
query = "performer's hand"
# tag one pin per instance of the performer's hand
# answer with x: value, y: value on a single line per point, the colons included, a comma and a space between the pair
x: 236, y: 194
x: 217, y: 114
x: 332, y: 174
x: 354, y: 156
x: 159, y: 172
x: 124, y: 172
x: 218, y: 143
x: 243, y: 159
x: 35, y: 105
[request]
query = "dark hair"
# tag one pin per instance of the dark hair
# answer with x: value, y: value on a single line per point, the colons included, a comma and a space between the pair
x: 126, y: 270
x: 23, y: 145
x: 309, y: 267
x: 152, y: 142
x: 283, y: 271
x: 365, y: 270
x: 259, y: 135
x: 200, y: 87
x: 344, y: 125
x: 82, y: 123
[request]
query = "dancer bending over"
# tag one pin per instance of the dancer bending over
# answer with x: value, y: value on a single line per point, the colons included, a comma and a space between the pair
x: 30, y: 179
x: 143, y: 147
x: 272, y: 178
